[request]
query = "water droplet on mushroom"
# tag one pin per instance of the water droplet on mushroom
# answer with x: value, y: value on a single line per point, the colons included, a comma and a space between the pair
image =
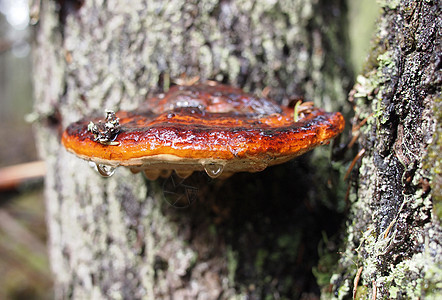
x: 105, y: 170
x: 214, y: 170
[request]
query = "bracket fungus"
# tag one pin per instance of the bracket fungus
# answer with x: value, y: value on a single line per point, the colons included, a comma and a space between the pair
x: 212, y: 127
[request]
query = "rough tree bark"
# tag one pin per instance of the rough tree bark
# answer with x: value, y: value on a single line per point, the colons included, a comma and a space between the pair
x: 393, y: 237
x: 252, y: 234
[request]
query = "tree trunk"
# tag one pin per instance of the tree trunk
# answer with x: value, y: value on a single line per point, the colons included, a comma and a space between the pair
x: 393, y: 236
x: 252, y: 234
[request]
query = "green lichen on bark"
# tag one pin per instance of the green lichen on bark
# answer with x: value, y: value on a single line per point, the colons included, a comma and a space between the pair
x: 433, y: 161
x: 252, y: 45
x: 392, y: 231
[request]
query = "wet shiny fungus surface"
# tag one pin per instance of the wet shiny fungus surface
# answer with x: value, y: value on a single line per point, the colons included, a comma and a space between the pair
x: 212, y: 127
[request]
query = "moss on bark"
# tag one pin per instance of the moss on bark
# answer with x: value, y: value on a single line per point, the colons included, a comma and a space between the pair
x: 392, y: 232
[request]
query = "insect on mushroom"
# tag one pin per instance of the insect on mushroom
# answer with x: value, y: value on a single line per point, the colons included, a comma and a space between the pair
x: 212, y: 127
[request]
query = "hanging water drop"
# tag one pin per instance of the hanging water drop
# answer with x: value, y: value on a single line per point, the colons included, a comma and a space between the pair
x: 105, y: 170
x: 214, y: 170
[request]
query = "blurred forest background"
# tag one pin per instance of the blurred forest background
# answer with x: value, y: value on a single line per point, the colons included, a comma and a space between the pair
x: 24, y: 263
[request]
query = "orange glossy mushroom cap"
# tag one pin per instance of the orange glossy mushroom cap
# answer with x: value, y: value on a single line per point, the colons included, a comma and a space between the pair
x: 216, y: 128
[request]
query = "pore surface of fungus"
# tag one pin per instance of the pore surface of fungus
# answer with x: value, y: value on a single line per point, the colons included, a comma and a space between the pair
x: 211, y: 127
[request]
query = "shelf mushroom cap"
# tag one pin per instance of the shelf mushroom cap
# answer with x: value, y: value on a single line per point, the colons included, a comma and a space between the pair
x: 212, y: 127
